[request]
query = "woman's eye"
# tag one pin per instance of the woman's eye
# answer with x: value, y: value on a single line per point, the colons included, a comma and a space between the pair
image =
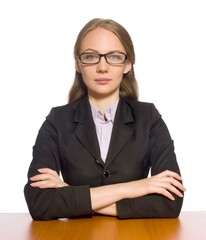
x: 113, y: 56
x: 91, y: 56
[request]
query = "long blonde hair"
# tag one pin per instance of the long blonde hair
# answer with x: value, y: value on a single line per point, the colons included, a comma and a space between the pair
x: 128, y: 86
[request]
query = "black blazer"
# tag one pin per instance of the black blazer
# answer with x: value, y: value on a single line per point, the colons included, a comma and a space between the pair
x: 67, y: 142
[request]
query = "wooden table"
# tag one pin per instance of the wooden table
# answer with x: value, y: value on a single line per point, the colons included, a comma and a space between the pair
x: 19, y: 226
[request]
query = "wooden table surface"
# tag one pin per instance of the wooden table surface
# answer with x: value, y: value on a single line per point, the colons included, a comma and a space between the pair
x: 20, y: 226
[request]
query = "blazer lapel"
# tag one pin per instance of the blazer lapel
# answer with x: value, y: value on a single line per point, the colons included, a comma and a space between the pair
x: 122, y: 131
x: 86, y: 132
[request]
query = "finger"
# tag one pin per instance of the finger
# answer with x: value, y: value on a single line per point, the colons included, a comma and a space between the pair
x: 43, y: 184
x: 168, y: 173
x: 175, y: 191
x: 172, y: 177
x: 177, y: 184
x: 172, y: 189
x: 166, y: 186
x: 173, y: 182
x: 41, y: 177
x: 48, y: 171
x: 49, y: 184
x: 36, y: 177
x: 171, y: 185
x: 165, y: 193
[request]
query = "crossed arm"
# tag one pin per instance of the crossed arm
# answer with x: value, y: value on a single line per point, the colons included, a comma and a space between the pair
x: 104, y: 198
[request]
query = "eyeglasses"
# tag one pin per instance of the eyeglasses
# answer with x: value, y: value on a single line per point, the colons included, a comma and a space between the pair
x: 111, y: 58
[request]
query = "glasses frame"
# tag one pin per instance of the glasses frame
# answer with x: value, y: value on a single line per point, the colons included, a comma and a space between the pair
x: 100, y: 57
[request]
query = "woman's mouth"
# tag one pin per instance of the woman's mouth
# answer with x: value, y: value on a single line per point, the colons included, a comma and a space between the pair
x: 102, y: 81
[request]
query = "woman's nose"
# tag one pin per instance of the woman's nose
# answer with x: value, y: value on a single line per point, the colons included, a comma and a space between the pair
x: 102, y: 66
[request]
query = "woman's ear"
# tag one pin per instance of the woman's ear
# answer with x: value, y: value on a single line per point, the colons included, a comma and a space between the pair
x: 77, y: 67
x: 128, y: 67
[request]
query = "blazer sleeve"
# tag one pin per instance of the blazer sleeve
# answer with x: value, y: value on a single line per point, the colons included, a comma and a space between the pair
x: 64, y: 202
x: 161, y: 157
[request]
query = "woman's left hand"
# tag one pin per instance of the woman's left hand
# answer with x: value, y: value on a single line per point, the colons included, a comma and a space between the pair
x: 47, y: 178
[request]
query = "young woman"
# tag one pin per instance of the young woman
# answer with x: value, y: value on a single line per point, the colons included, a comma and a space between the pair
x: 104, y: 141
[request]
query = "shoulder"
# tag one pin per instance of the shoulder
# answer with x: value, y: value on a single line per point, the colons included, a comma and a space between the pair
x: 143, y: 110
x: 67, y: 107
x: 137, y: 104
x: 62, y: 112
x: 140, y: 106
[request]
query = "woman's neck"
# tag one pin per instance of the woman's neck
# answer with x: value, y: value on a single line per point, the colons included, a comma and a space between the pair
x: 103, y: 104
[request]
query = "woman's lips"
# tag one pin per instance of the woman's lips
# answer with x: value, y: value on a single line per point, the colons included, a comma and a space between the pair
x: 102, y: 81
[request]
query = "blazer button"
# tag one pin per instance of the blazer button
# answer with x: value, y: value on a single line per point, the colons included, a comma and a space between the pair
x: 107, y: 173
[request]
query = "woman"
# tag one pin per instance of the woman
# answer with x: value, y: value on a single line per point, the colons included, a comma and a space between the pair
x: 104, y: 141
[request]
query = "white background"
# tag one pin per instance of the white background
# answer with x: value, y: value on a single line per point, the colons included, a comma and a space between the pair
x: 37, y: 69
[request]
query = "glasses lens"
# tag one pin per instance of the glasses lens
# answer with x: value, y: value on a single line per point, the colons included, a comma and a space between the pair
x: 116, y: 58
x: 89, y: 58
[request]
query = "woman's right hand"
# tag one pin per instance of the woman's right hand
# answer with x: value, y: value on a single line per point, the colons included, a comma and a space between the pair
x: 47, y: 178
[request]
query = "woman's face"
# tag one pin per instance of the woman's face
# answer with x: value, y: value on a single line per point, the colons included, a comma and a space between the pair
x: 102, y: 79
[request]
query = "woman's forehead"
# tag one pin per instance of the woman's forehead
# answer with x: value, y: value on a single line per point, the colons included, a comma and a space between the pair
x: 101, y: 40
